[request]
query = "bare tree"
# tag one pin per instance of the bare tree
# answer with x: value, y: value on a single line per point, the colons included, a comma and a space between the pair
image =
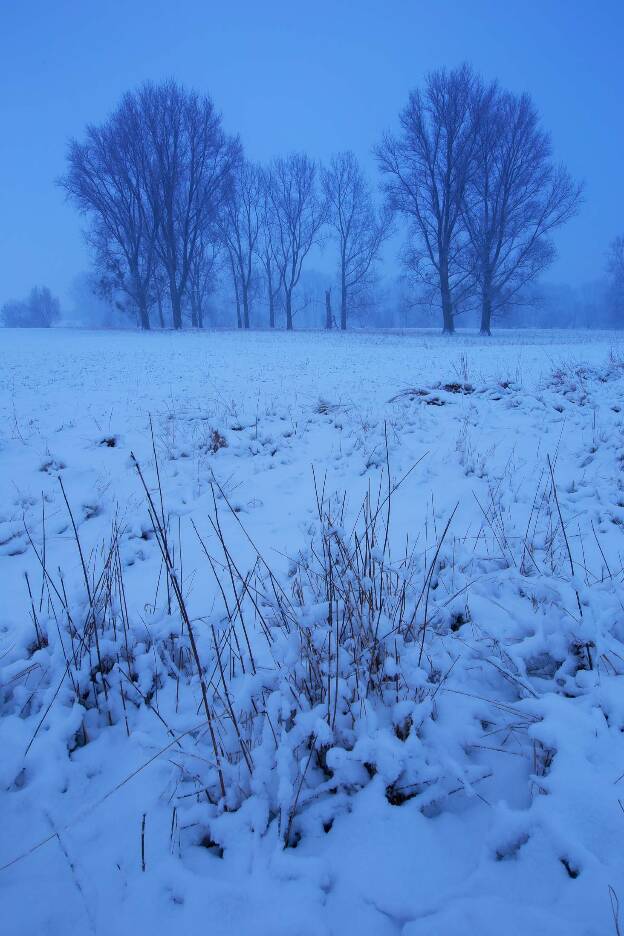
x: 131, y: 290
x: 235, y: 285
x: 15, y: 314
x: 298, y: 215
x: 329, y: 318
x: 240, y: 227
x: 426, y: 170
x: 514, y: 198
x: 106, y: 179
x: 358, y: 229
x: 40, y: 310
x: 615, y: 260
x: 202, y: 276
x: 615, y: 269
x: 187, y: 177
x: 160, y: 292
x: 265, y: 247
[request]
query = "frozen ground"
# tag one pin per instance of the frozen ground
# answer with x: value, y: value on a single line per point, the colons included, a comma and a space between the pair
x: 458, y: 766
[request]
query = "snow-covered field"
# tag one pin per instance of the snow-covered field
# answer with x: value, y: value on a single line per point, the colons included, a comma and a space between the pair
x: 446, y: 514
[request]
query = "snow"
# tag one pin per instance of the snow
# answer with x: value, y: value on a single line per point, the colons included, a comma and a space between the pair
x: 456, y: 768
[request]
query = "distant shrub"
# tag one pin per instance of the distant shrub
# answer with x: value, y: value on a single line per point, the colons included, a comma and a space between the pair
x: 40, y: 310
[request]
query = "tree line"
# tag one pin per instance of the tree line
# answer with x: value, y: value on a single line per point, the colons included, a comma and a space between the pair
x: 172, y: 203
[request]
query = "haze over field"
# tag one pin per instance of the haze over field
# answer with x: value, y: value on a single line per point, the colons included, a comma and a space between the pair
x: 288, y: 80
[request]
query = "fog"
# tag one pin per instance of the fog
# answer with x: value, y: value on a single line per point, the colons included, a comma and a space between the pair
x: 287, y: 81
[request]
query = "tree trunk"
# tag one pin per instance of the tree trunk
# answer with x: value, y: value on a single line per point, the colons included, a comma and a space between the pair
x: 289, y: 315
x: 448, y: 322
x: 245, y: 306
x: 176, y: 306
x: 161, y: 317
x: 200, y: 316
x: 239, y: 322
x: 139, y: 296
x: 448, y: 327
x: 486, y: 307
x: 328, y: 309
x: 271, y: 300
x: 486, y: 315
x: 343, y: 305
x: 144, y: 316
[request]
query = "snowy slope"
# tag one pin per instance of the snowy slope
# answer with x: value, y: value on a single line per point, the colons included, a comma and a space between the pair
x: 454, y: 768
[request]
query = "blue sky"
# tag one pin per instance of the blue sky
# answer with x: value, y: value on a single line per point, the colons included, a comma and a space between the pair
x: 320, y: 76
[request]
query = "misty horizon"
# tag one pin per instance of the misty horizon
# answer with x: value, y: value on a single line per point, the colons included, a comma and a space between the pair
x: 284, y: 80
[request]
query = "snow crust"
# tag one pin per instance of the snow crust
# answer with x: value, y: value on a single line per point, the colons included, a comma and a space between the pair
x: 457, y: 767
